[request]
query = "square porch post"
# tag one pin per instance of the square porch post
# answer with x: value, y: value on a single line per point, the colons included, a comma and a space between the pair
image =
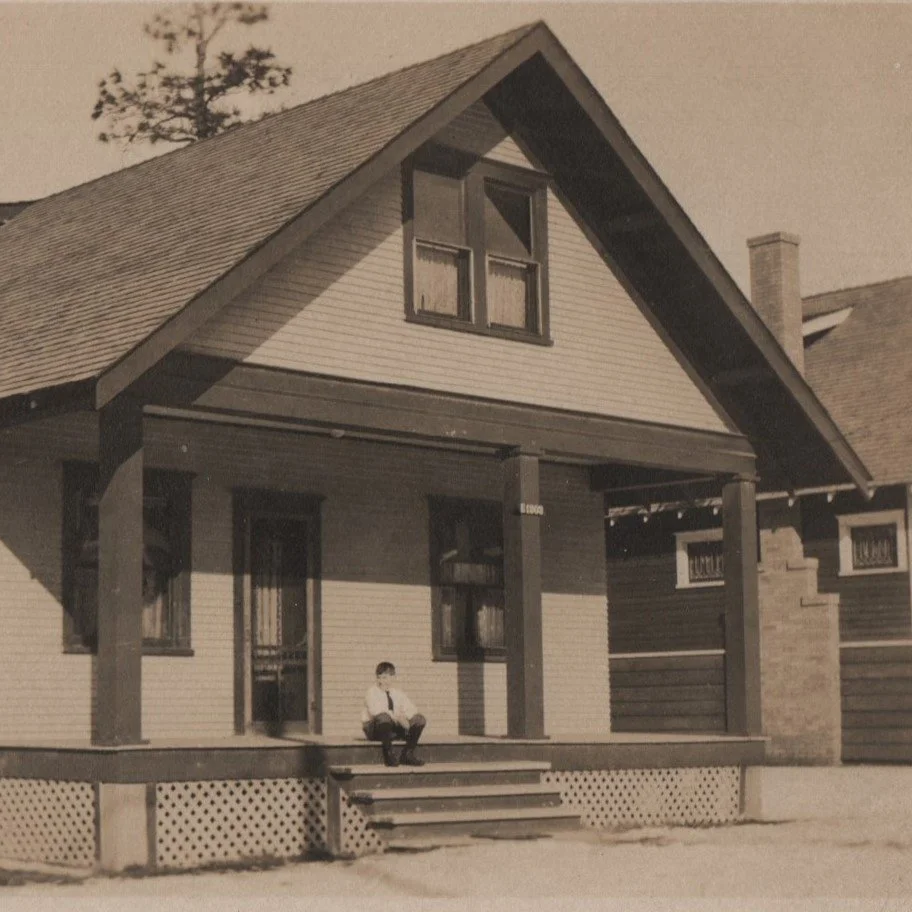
x: 120, y: 546
x: 742, y: 611
x: 522, y: 591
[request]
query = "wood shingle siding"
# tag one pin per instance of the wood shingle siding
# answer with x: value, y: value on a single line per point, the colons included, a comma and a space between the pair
x: 336, y: 307
x: 871, y: 607
x: 376, y: 601
x: 647, y: 612
x: 668, y: 693
x: 877, y: 704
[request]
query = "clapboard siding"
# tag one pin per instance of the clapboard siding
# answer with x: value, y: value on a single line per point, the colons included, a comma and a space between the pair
x: 376, y: 601
x: 877, y: 703
x: 477, y: 131
x: 871, y: 607
x: 336, y: 307
x: 668, y: 693
x: 647, y: 612
x: 46, y: 694
x: 195, y: 697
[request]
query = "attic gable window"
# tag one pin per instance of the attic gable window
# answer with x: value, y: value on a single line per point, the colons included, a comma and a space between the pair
x: 476, y: 251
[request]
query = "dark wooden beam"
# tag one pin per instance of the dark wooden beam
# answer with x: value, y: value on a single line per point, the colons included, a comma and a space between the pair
x: 212, y: 385
x: 522, y: 593
x: 742, y: 376
x: 634, y: 222
x: 742, y: 611
x: 613, y: 478
x: 120, y: 544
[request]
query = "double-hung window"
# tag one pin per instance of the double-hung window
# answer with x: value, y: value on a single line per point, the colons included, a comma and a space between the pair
x: 467, y: 579
x: 477, y: 253
x: 165, y: 560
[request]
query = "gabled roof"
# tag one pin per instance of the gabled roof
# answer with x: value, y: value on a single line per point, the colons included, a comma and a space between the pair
x: 88, y: 274
x: 862, y: 371
x: 100, y: 282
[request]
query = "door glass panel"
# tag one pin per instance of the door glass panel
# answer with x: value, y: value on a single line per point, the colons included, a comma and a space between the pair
x: 278, y: 550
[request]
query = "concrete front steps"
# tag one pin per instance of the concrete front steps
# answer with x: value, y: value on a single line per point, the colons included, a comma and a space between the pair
x: 452, y: 802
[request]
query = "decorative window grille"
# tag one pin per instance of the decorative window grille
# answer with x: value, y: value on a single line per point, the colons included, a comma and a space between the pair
x: 872, y: 543
x: 874, y: 546
x: 700, y: 558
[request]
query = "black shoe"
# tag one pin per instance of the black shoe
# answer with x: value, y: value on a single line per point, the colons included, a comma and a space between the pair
x: 409, y: 759
x: 389, y: 758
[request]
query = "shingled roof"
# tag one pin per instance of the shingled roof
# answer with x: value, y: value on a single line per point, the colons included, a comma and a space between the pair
x: 862, y: 371
x: 99, y: 283
x: 140, y: 243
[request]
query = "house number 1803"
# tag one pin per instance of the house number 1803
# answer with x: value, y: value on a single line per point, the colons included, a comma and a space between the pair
x: 529, y: 509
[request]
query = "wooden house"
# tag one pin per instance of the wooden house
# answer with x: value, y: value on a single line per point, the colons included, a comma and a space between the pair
x: 350, y: 384
x: 850, y: 658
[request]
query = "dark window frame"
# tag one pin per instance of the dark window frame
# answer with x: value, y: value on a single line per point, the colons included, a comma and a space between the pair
x: 475, y: 173
x: 82, y: 477
x: 440, y: 509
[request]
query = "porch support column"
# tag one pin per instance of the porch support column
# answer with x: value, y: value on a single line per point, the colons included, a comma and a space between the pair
x: 120, y: 544
x: 742, y: 612
x: 522, y: 591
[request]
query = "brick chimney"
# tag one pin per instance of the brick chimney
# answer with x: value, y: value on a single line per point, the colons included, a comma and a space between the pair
x: 775, y: 289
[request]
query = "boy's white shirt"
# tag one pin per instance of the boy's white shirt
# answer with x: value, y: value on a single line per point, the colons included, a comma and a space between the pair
x: 375, y: 703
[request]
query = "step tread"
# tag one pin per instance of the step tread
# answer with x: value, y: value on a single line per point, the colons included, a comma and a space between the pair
x: 452, y: 791
x: 486, y: 815
x: 505, y: 766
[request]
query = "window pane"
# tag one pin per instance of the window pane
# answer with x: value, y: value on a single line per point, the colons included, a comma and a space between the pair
x: 439, y: 208
x: 441, y: 280
x: 874, y: 546
x: 489, y: 619
x: 468, y: 570
x: 160, y: 565
x: 511, y: 294
x: 705, y: 561
x: 508, y: 221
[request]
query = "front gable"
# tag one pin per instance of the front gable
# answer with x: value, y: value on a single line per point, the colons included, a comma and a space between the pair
x: 337, y: 306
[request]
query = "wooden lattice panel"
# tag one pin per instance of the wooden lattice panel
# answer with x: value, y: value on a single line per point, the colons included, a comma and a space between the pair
x: 48, y: 822
x: 201, y: 823
x: 357, y: 836
x: 636, y: 797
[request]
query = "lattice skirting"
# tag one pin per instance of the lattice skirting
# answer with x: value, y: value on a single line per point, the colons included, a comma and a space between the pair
x: 200, y: 823
x: 48, y: 822
x: 637, y: 797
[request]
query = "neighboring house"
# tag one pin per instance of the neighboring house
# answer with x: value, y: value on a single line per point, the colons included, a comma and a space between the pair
x: 351, y: 384
x: 853, y: 346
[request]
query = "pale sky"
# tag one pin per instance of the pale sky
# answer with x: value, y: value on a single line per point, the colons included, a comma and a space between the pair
x: 758, y: 117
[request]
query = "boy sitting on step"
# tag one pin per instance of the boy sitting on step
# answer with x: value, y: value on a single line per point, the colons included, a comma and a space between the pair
x: 388, y: 714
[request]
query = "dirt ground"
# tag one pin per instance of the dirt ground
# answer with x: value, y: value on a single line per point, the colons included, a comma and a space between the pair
x: 846, y: 844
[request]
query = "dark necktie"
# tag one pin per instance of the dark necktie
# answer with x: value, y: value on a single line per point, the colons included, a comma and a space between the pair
x: 389, y: 700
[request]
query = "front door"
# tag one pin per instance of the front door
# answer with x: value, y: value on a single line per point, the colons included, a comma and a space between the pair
x: 279, y: 619
x: 278, y: 575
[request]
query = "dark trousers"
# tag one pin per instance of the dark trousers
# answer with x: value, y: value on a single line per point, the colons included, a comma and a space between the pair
x: 382, y: 728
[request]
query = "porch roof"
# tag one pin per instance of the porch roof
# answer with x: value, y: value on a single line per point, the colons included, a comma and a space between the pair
x: 100, y: 282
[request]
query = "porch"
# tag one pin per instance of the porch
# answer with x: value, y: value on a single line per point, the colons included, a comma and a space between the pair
x: 178, y: 804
